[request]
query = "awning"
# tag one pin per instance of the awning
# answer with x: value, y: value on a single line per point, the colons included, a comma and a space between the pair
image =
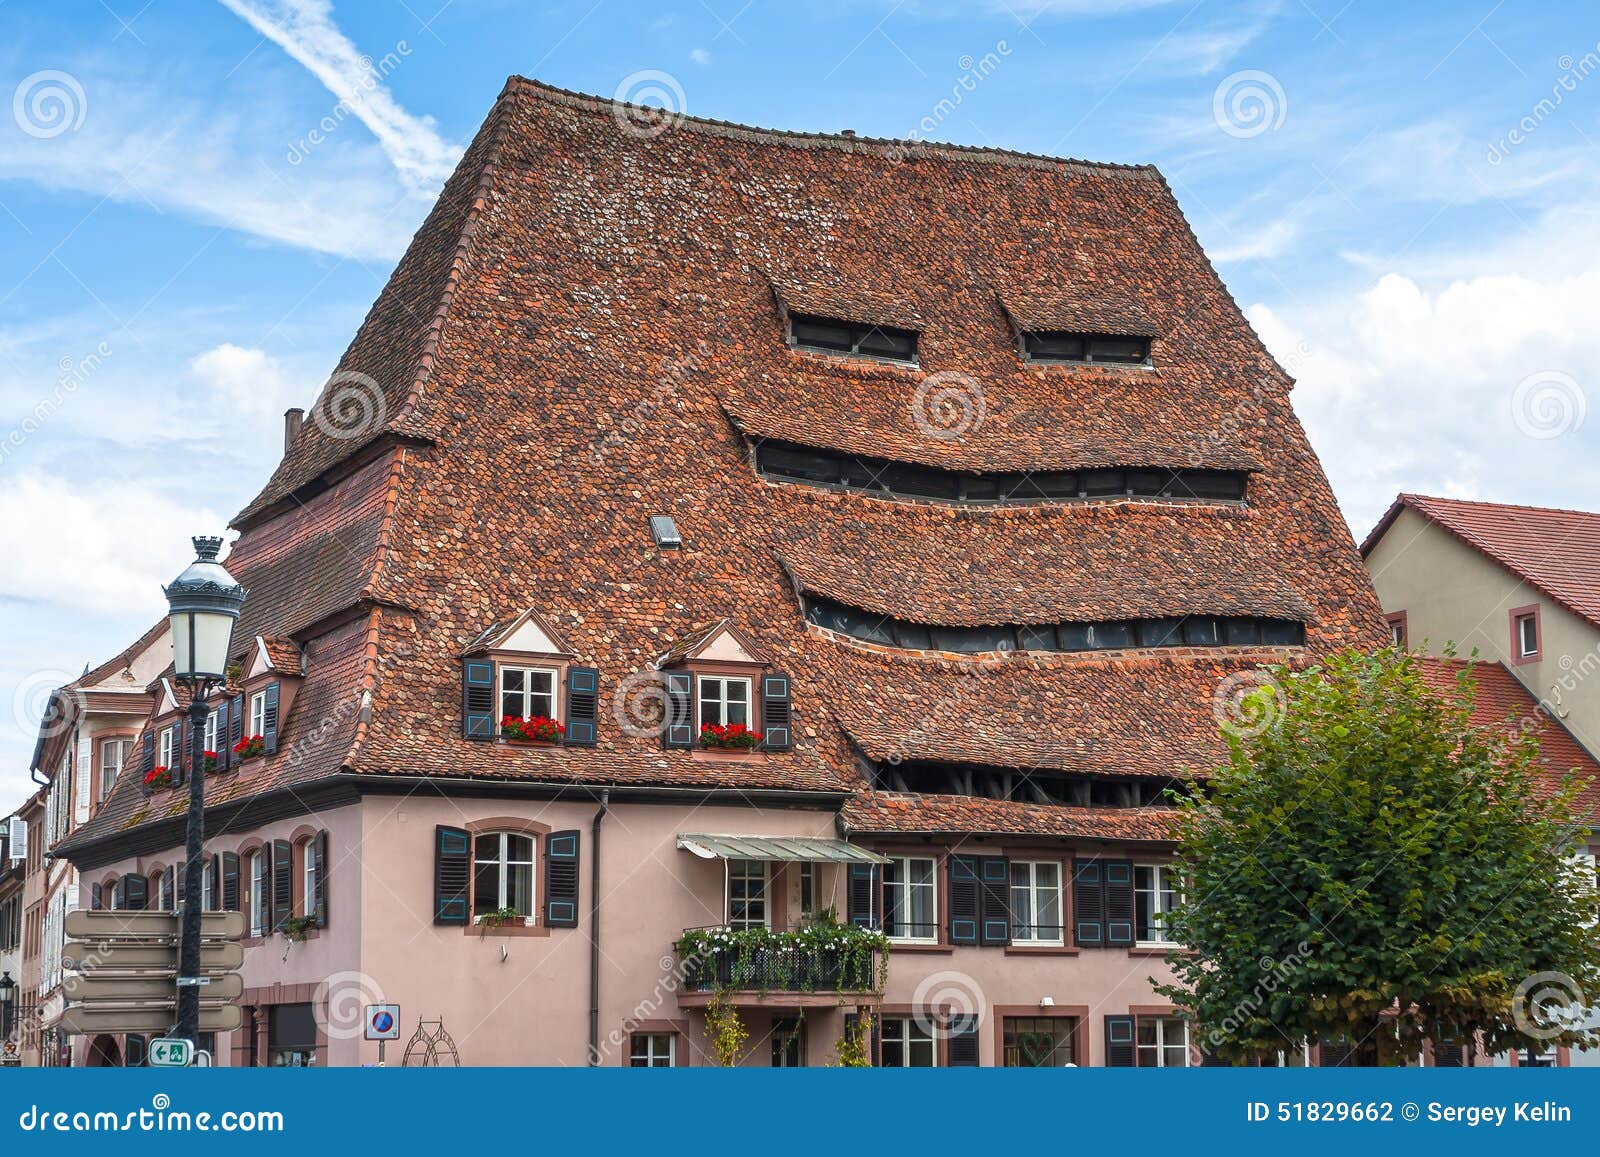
x: 785, y: 848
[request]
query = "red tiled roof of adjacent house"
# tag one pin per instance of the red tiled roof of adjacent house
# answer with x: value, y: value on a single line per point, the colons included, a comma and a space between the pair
x: 1555, y: 551
x: 556, y: 355
x: 283, y: 654
x: 882, y: 812
x: 1503, y: 703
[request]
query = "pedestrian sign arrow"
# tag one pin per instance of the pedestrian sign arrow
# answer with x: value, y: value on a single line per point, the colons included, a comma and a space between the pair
x: 170, y: 1053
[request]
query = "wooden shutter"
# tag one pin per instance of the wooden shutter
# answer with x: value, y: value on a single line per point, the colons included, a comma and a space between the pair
x: 235, y: 730
x: 860, y: 892
x: 966, y: 902
x: 180, y: 884
x: 269, y: 719
x: 171, y: 886
x: 135, y: 892
x: 1120, y: 1051
x: 1119, y: 903
x: 281, y: 871
x: 452, y: 875
x: 148, y: 763
x: 678, y: 699
x: 995, y: 885
x: 317, y: 849
x: 962, y: 1050
x: 477, y: 700
x: 97, y: 896
x: 583, y: 706
x: 776, y: 732
x: 561, y: 880
x: 224, y: 729
x: 230, y: 882
x: 1088, y: 904
x: 180, y: 754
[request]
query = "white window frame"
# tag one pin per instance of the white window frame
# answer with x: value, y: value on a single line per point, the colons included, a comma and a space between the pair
x: 258, y: 714
x: 1034, y: 890
x: 165, y: 902
x: 907, y: 1032
x: 721, y: 700
x: 527, y: 693
x: 208, y: 737
x: 123, y: 749
x: 166, y: 743
x: 652, y: 1055
x: 1162, y: 1044
x: 260, y: 894
x: 208, y: 896
x: 1527, y: 624
x: 905, y: 884
x: 740, y: 869
x: 1163, y: 887
x: 505, y: 863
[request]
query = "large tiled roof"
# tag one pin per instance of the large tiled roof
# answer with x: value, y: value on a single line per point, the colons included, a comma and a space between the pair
x: 1554, y: 551
x: 558, y: 353
x: 892, y: 813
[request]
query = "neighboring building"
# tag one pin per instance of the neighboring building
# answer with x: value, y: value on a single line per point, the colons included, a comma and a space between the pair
x: 954, y: 472
x: 32, y: 815
x: 1518, y: 585
x: 12, y: 875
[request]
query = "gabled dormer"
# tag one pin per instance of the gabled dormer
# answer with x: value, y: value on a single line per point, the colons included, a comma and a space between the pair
x: 721, y: 694
x: 520, y: 684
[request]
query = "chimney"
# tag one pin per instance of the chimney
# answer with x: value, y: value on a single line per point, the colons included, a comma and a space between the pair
x: 847, y: 132
x: 292, y: 419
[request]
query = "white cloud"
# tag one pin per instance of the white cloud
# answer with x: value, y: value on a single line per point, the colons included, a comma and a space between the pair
x: 1203, y: 51
x: 699, y: 56
x: 306, y: 31
x: 246, y: 381
x: 115, y: 547
x: 1271, y: 240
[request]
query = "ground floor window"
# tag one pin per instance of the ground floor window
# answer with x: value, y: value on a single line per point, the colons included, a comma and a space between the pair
x: 1045, y: 1042
x: 906, y: 1043
x: 1163, y: 1042
x: 788, y: 1042
x: 291, y: 1036
x: 653, y: 1050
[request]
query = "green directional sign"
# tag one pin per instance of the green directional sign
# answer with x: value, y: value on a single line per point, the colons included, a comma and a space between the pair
x: 170, y: 1053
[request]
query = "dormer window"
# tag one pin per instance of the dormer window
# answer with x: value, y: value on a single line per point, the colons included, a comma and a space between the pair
x: 168, y: 753
x: 519, y: 682
x: 852, y: 338
x: 724, y: 701
x: 527, y: 692
x: 721, y: 695
x: 1085, y: 348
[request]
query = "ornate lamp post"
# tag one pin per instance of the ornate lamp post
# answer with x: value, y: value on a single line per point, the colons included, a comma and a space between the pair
x: 202, y: 607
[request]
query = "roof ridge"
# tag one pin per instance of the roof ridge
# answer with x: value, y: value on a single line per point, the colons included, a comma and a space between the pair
x: 1407, y: 495
x: 979, y: 153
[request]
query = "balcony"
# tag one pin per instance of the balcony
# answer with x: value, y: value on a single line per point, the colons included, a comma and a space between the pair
x: 814, y: 966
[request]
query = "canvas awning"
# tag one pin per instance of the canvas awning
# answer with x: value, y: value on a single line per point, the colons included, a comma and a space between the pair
x: 785, y: 848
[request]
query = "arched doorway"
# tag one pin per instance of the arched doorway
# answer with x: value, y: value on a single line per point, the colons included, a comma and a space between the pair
x: 104, y: 1053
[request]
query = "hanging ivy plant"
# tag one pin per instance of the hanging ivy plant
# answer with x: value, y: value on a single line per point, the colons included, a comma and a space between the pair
x: 725, y: 1031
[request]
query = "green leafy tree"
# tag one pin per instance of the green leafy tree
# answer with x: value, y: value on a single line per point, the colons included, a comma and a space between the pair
x: 1371, y: 867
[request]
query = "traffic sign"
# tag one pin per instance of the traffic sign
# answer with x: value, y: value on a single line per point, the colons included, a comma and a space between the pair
x: 95, y: 986
x: 79, y: 1019
x: 108, y: 956
x: 170, y: 1053
x: 383, y: 1022
x: 105, y: 924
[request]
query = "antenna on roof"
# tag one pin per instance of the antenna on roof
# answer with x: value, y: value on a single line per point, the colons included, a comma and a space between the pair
x: 665, y: 532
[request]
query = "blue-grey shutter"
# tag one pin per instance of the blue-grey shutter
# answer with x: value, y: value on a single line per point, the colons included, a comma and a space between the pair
x: 170, y: 886
x: 583, y: 706
x: 996, y: 893
x: 180, y: 753
x: 317, y: 849
x: 148, y: 763
x: 561, y: 880
x: 966, y: 905
x: 269, y: 719
x: 678, y: 696
x: 1120, y: 1053
x: 962, y: 1051
x: 452, y: 874
x: 135, y: 892
x: 1088, y: 904
x: 229, y: 876
x: 281, y: 873
x: 477, y: 699
x: 224, y: 729
x: 236, y: 730
x: 776, y: 731
x: 97, y: 897
x: 1119, y: 903
x: 860, y: 893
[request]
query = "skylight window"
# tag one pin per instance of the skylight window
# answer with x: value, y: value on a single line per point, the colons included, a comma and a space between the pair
x: 1086, y: 348
x: 665, y: 531
x: 852, y: 338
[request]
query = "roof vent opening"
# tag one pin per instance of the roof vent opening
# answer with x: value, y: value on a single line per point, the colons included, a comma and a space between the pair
x: 665, y: 531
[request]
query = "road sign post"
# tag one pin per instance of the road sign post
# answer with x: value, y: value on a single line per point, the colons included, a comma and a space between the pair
x: 382, y: 1024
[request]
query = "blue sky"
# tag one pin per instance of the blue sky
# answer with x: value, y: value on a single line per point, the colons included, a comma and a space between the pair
x: 1403, y: 197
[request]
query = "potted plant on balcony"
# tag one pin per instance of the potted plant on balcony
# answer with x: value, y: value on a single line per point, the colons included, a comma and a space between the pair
x: 250, y: 746
x: 158, y: 776
x: 533, y: 729
x: 734, y: 737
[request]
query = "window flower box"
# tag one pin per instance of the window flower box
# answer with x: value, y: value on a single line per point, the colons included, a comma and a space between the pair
x: 531, y: 729
x: 210, y: 762
x: 158, y: 777
x: 732, y: 737
x: 250, y: 746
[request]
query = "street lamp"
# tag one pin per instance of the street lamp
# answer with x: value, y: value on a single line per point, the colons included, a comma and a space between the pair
x: 202, y: 607
x: 8, y: 1005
